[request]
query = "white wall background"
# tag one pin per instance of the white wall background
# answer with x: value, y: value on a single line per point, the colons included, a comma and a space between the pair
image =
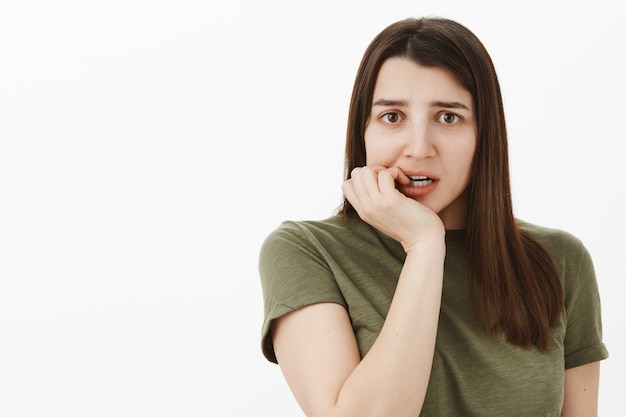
x: 148, y: 147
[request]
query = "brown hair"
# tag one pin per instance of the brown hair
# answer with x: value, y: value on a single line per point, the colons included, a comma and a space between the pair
x: 514, y: 285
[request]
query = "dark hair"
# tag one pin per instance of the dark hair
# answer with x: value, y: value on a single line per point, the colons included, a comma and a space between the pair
x: 514, y: 285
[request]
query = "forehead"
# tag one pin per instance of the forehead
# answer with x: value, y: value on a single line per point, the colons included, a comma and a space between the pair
x: 402, y: 79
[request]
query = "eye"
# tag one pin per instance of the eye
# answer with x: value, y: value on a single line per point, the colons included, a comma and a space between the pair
x: 391, y: 118
x: 449, y: 118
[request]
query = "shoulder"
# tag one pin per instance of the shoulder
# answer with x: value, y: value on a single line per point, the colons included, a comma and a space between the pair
x: 293, y: 240
x: 293, y: 258
x: 569, y: 256
x: 330, y: 224
x: 307, y: 230
x: 337, y: 230
x: 556, y: 242
x: 337, y: 240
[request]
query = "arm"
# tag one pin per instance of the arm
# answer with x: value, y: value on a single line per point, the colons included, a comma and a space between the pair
x: 581, y: 391
x: 316, y: 346
x: 318, y: 354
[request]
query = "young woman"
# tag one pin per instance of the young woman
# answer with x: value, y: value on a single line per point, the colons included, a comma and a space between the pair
x: 424, y: 295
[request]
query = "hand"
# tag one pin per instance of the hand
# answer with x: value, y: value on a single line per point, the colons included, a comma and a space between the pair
x: 372, y: 192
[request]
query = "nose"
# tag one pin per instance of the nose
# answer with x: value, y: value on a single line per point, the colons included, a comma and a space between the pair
x: 418, y: 142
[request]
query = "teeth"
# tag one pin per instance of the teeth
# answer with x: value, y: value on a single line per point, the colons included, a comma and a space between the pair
x: 420, y: 181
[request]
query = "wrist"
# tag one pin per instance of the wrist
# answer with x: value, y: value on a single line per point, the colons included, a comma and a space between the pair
x: 431, y: 245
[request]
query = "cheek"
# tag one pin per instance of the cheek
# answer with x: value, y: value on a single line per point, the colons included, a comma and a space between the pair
x: 464, y: 162
x: 379, y: 151
x: 377, y: 154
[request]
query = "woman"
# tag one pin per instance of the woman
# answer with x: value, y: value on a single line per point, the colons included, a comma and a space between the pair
x: 424, y: 295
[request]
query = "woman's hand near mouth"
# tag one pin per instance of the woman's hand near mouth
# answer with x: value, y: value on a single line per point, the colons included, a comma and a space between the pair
x: 372, y: 192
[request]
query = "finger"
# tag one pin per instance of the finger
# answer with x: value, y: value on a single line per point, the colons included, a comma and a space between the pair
x: 399, y: 175
x: 348, y: 191
x: 377, y: 168
x: 354, y: 172
x: 387, y: 183
x: 388, y: 186
x: 366, y: 184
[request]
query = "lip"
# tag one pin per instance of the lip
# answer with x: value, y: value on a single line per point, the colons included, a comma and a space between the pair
x: 412, y: 191
x: 410, y: 173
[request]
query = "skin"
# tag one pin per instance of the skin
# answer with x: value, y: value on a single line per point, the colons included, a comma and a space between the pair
x: 581, y: 391
x: 421, y: 123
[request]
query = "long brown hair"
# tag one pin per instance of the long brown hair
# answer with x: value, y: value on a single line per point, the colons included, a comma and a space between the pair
x: 514, y: 285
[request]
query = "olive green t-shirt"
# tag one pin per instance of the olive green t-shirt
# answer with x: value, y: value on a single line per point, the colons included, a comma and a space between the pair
x: 343, y: 260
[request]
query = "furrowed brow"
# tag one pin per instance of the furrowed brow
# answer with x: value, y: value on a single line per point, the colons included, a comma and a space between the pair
x: 450, y: 105
x: 390, y: 103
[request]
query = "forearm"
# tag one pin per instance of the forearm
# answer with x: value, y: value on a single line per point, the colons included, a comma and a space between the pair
x: 393, y: 377
x: 581, y: 391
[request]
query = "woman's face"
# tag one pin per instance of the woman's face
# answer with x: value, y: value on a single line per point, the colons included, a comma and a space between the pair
x: 422, y: 121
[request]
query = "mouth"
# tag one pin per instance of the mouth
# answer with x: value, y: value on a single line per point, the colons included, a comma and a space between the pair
x: 420, y: 181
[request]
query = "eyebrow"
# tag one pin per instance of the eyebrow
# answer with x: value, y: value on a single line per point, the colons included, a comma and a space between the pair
x: 450, y: 105
x: 403, y: 103
x: 388, y: 103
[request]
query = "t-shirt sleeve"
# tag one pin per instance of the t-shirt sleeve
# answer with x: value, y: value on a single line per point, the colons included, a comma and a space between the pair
x: 293, y: 274
x: 583, y: 338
